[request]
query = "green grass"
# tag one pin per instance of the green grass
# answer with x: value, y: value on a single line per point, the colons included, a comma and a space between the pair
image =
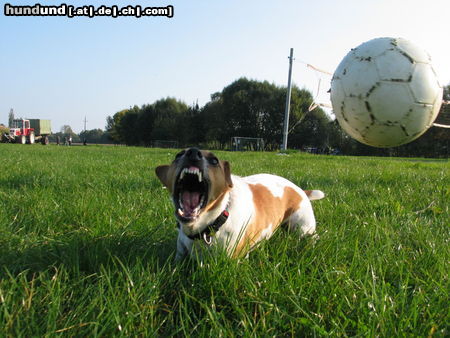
x: 87, y: 242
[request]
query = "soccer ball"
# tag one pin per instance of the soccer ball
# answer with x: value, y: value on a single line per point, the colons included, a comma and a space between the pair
x: 385, y: 92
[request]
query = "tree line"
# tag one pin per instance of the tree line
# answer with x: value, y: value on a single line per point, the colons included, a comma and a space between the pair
x: 93, y: 136
x: 250, y: 108
x: 245, y: 108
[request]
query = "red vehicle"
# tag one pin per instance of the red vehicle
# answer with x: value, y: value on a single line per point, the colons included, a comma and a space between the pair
x: 28, y: 131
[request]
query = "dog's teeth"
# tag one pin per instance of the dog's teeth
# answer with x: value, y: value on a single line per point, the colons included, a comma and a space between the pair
x: 180, y: 212
x: 193, y: 171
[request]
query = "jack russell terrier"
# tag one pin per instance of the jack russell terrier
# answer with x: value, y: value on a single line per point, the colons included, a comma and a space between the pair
x: 220, y: 209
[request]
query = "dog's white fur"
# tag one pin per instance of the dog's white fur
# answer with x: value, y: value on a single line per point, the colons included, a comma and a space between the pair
x: 242, y: 209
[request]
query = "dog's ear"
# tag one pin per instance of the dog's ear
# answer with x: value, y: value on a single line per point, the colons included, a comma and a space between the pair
x: 161, y: 172
x: 227, y: 171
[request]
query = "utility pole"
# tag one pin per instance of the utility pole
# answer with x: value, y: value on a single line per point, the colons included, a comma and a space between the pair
x: 288, y: 104
x: 11, y: 118
x: 84, y: 136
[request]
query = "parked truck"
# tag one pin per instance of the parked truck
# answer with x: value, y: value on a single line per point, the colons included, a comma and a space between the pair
x: 28, y: 131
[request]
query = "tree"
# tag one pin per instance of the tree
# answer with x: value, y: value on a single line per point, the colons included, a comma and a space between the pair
x: 145, y: 123
x: 251, y: 108
x: 97, y: 136
x: 212, y: 117
x: 168, y: 113
x: 315, y: 129
x: 127, y: 127
x: 161, y: 120
x: 3, y: 130
x: 67, y: 130
x: 114, y: 125
x: 193, y: 119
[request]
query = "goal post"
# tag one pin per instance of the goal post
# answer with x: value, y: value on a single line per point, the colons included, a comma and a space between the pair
x: 247, y: 143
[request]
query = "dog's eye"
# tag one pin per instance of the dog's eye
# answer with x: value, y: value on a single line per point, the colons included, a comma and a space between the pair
x: 213, y: 161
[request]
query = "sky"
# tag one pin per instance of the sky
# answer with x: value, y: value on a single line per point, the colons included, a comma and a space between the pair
x: 68, y: 69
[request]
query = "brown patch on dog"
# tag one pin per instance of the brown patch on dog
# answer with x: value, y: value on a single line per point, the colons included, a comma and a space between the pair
x: 269, y: 211
x: 220, y: 180
x: 308, y: 192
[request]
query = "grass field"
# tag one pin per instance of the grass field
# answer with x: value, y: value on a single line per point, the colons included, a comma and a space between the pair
x: 87, y: 241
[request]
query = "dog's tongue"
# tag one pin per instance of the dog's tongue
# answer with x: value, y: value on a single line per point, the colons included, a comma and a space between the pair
x: 191, y: 200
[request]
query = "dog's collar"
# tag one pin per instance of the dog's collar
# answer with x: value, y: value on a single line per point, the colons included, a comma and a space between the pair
x: 211, y: 229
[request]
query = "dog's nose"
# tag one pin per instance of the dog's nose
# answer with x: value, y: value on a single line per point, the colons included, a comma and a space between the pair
x: 194, y: 154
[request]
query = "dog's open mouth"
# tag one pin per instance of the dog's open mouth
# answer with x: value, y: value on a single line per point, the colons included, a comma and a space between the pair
x: 190, y: 193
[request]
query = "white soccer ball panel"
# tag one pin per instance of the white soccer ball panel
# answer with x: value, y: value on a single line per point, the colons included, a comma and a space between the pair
x: 416, y: 53
x: 356, y: 113
x: 390, y: 101
x: 356, y: 85
x: 419, y: 116
x: 394, y: 66
x: 437, y: 104
x: 371, y: 49
x: 356, y: 134
x: 424, y: 84
x: 337, y: 95
x: 380, y: 135
x: 339, y: 99
x: 341, y: 68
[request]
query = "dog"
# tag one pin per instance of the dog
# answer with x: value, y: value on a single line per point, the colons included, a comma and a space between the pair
x: 215, y: 208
